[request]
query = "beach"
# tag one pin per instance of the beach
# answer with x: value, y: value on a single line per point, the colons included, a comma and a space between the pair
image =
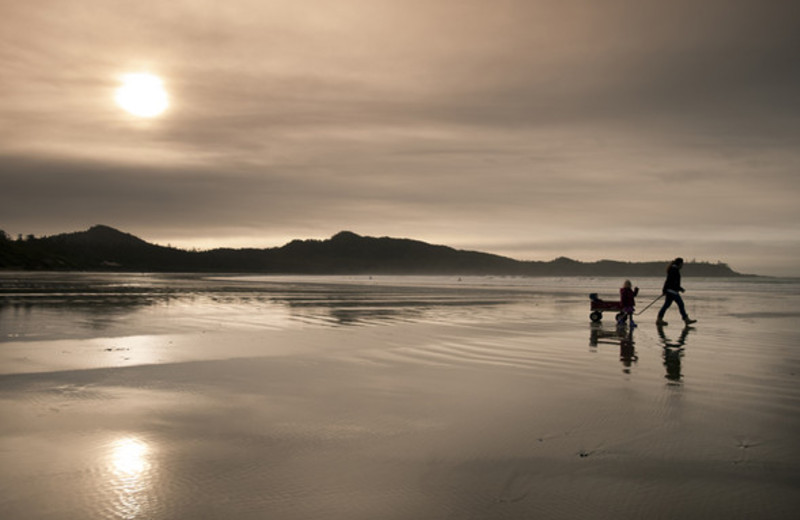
x: 169, y: 396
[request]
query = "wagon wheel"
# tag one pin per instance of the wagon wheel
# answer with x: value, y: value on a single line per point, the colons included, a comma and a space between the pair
x: 620, y: 316
x: 596, y: 316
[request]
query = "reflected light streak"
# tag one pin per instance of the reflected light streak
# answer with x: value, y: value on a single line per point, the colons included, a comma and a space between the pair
x: 131, y: 482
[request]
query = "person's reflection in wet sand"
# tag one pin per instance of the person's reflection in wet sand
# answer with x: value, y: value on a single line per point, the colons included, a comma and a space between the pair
x: 627, y: 351
x: 673, y: 354
x: 623, y: 336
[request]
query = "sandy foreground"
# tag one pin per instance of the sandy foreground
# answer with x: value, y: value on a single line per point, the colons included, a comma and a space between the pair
x: 298, y: 400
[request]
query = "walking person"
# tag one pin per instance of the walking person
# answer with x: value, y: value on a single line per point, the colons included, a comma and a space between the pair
x: 672, y: 291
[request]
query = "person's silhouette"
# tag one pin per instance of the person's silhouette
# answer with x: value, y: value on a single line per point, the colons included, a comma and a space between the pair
x: 672, y: 291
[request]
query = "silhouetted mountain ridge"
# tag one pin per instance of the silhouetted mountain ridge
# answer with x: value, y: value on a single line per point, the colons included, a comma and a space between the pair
x: 105, y: 248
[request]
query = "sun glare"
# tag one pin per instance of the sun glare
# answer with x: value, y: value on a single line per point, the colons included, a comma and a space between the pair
x: 142, y: 95
x: 129, y: 456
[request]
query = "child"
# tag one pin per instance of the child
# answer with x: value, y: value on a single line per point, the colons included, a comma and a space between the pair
x: 627, y: 299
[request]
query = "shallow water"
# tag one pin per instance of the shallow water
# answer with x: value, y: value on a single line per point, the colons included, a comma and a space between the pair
x: 189, y: 396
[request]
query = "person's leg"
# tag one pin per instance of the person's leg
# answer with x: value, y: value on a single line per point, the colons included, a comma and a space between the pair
x: 681, y: 307
x: 668, y: 297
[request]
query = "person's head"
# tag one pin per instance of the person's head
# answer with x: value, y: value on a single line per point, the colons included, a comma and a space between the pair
x: 627, y: 284
x: 678, y: 262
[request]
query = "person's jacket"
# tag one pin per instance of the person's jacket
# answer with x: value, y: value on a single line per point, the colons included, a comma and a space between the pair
x: 673, y: 281
x: 627, y: 295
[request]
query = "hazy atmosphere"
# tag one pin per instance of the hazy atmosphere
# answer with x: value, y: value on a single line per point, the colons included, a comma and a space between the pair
x: 528, y: 128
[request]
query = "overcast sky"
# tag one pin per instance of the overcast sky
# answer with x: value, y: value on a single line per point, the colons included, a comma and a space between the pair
x: 630, y: 130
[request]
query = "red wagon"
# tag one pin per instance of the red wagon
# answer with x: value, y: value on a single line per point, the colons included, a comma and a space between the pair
x: 598, y: 306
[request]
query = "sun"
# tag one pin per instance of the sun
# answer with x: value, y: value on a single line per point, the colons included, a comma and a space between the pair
x: 142, y: 95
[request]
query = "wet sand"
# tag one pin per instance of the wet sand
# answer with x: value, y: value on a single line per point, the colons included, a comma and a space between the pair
x: 165, y: 397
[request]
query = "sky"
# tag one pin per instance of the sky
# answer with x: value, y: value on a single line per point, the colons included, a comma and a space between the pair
x: 630, y: 130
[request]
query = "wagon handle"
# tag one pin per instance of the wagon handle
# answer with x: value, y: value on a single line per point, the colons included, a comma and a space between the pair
x: 649, y: 304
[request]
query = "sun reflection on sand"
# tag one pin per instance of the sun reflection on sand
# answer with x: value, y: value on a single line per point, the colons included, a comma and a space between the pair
x: 129, y: 456
x: 131, y: 479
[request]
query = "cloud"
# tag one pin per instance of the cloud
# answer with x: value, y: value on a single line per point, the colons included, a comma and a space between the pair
x: 461, y: 122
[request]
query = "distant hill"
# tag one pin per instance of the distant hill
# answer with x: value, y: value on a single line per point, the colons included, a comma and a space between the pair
x: 105, y: 248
